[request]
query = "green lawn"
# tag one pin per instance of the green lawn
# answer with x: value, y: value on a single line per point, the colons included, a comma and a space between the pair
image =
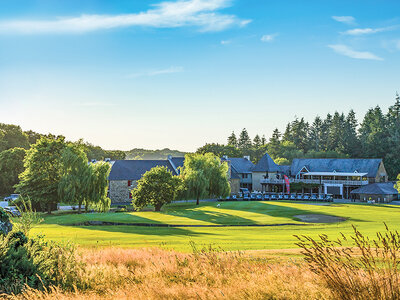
x: 368, y: 218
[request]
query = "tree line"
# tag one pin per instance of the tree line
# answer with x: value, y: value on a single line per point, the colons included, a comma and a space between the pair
x: 334, y: 136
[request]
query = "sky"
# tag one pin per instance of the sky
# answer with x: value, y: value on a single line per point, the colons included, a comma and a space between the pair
x: 153, y: 74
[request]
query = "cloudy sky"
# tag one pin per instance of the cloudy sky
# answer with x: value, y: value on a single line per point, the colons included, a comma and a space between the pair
x: 134, y: 73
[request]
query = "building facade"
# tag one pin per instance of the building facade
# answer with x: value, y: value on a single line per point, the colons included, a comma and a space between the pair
x: 338, y: 177
x: 125, y: 174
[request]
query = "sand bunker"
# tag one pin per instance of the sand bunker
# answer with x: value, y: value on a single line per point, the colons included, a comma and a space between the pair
x: 319, y: 218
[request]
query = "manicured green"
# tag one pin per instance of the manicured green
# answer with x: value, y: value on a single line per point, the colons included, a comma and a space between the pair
x: 369, y: 218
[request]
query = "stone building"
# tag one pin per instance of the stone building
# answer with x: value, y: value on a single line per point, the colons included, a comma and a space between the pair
x: 125, y: 173
x: 381, y: 192
x: 240, y: 172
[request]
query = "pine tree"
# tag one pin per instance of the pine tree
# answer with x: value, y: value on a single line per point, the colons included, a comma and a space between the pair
x: 274, y: 144
x: 232, y: 140
x: 244, y: 142
x: 315, y: 134
x: 393, y: 149
x: 263, y: 140
x: 257, y: 142
x: 351, y: 141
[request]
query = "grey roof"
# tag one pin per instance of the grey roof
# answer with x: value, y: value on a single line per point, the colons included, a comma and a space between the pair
x: 285, y: 170
x: 234, y: 175
x: 381, y: 188
x: 265, y: 164
x: 134, y: 169
x: 178, y: 162
x: 240, y: 165
x: 369, y: 166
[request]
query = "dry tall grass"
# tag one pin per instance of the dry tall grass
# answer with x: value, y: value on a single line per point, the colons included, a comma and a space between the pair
x: 116, y: 273
x: 370, y: 269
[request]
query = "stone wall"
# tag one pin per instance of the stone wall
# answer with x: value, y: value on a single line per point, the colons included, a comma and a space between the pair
x: 119, y: 190
x: 377, y: 198
x: 235, y: 185
x: 381, y: 175
x: 256, y: 178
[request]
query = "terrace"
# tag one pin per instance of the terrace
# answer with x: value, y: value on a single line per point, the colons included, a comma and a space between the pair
x: 349, y: 179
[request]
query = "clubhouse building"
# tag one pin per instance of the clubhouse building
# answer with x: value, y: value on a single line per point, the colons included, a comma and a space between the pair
x: 363, y: 179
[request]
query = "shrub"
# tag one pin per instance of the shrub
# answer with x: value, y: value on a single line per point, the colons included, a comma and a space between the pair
x: 5, y: 224
x: 29, y: 217
x: 369, y: 268
x: 35, y: 263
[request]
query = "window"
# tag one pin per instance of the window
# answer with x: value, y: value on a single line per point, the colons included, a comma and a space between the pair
x: 244, y: 175
x: 129, y: 182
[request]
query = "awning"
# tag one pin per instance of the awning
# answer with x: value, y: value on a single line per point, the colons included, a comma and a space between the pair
x: 335, y: 174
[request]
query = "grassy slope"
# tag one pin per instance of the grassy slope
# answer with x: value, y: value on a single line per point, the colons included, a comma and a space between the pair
x: 368, y: 218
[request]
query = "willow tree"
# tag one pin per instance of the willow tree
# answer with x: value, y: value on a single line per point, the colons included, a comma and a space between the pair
x: 205, y: 175
x: 97, y: 186
x: 83, y: 183
x: 73, y: 185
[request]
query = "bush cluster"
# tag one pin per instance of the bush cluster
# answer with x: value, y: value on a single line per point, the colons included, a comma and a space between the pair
x: 35, y: 263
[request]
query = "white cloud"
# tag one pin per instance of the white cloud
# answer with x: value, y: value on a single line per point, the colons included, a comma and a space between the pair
x: 169, y: 14
x: 226, y: 42
x: 362, y: 31
x: 347, y: 51
x: 268, y: 37
x: 349, y: 20
x: 169, y: 70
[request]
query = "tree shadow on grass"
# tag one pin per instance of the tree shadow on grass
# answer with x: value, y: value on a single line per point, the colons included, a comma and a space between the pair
x: 283, y: 211
x: 210, y: 216
x: 145, y: 230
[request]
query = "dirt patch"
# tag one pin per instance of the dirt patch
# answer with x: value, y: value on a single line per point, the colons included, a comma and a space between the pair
x: 314, y: 218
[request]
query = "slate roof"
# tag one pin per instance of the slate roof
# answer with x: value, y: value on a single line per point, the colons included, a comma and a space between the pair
x: 381, y: 188
x: 265, y: 164
x: 178, y: 162
x: 234, y: 175
x: 134, y: 169
x: 369, y: 166
x: 240, y: 164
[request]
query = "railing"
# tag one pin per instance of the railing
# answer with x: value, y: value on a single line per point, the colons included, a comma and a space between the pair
x: 316, y: 181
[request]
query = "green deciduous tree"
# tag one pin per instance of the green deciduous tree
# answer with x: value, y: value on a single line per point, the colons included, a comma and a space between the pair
x: 205, y: 175
x: 220, y: 150
x: 11, y: 165
x: 156, y: 187
x: 43, y: 172
x: 12, y: 136
x: 83, y: 183
x: 98, y: 186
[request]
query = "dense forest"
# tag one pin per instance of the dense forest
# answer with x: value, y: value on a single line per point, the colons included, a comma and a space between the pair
x: 335, y: 136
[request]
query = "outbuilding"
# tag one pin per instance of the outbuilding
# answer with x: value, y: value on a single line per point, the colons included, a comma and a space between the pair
x: 381, y: 192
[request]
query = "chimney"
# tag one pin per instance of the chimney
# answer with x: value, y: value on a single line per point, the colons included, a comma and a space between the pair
x: 247, y: 157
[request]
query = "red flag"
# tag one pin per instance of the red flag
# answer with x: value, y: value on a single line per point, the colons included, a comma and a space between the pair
x: 287, y: 183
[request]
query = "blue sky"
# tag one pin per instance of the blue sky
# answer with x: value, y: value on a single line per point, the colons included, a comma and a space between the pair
x: 151, y: 74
